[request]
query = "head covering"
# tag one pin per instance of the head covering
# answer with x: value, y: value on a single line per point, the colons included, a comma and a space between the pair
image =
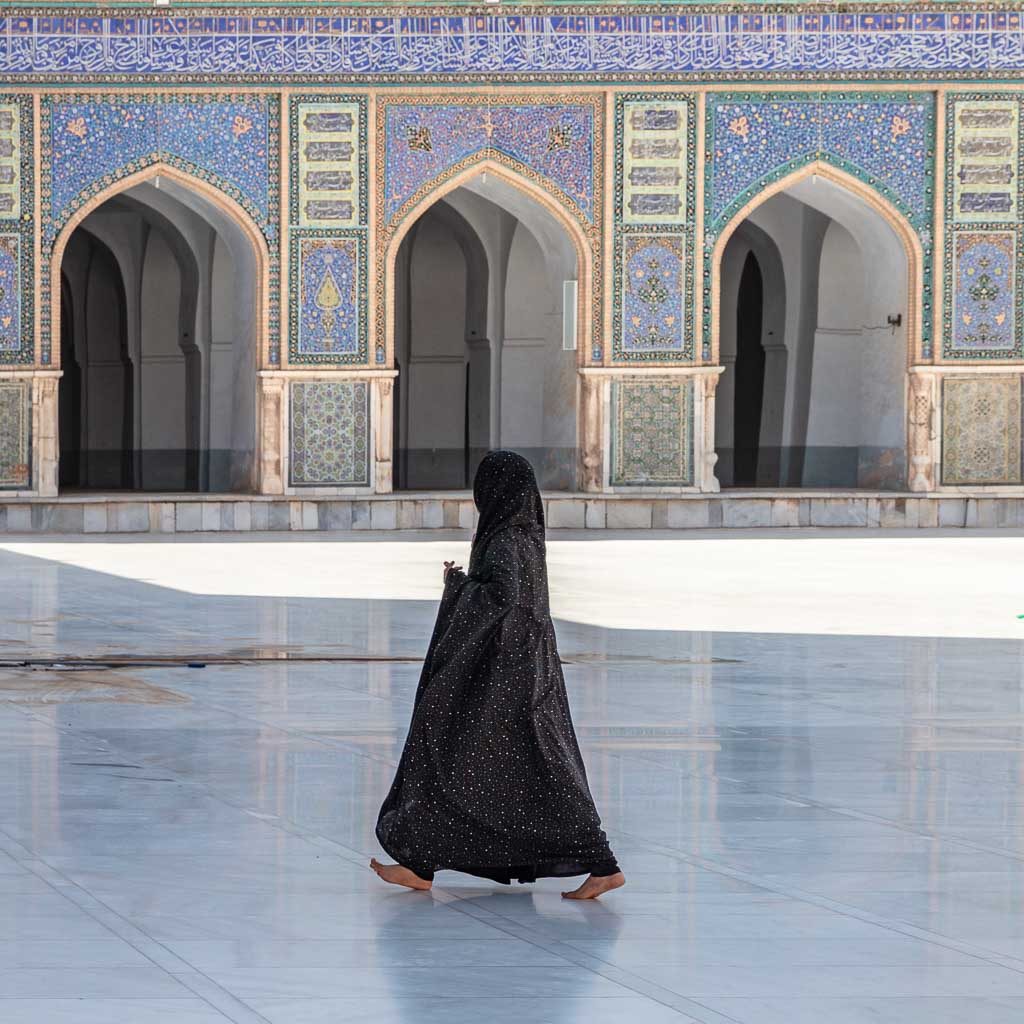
x: 506, y: 494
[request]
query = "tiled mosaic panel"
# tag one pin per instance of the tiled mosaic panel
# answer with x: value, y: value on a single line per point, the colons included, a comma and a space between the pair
x: 651, y: 297
x: 10, y: 295
x: 982, y: 291
x: 328, y: 299
x: 654, y: 169
x: 329, y: 433
x: 327, y: 156
x: 986, y: 168
x: 410, y: 44
x: 652, y: 432
x: 10, y: 161
x: 981, y: 430
x: 94, y: 140
x: 424, y: 141
x: 15, y: 434
x: 883, y: 139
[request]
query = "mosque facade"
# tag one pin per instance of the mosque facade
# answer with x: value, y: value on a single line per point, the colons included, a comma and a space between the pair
x: 663, y: 250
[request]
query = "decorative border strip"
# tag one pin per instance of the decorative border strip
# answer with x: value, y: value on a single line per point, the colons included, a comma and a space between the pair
x: 436, y: 45
x: 297, y: 357
x: 22, y: 226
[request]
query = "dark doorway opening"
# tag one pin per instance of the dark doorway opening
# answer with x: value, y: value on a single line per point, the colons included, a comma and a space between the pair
x: 749, y: 375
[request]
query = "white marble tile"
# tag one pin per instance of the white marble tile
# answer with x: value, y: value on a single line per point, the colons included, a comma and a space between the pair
x: 107, y: 1011
x: 814, y: 827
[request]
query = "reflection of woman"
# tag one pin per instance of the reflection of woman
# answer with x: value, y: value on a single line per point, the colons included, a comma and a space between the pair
x: 491, y: 781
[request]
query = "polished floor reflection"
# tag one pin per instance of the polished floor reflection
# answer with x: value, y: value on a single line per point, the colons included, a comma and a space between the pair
x: 815, y: 828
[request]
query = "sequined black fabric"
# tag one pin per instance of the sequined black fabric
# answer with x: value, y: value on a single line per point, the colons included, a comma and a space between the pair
x: 491, y: 781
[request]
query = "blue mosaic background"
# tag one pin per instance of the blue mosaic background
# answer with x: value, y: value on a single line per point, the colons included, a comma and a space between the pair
x: 100, y: 139
x: 17, y: 313
x: 329, y: 301
x: 424, y: 141
x: 915, y: 42
x: 883, y: 141
x: 10, y: 293
x: 886, y: 140
x: 984, y: 314
x: 651, y: 297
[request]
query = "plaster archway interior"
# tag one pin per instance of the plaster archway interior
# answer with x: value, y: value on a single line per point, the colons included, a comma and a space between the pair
x: 158, y: 346
x: 813, y: 391
x: 479, y: 339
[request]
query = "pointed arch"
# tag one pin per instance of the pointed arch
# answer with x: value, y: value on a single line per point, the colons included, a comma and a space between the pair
x: 228, y: 206
x: 587, y: 259
x: 892, y: 216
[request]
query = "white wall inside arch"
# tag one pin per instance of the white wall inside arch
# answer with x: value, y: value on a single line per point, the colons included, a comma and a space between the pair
x: 834, y: 398
x: 512, y: 343
x: 190, y: 282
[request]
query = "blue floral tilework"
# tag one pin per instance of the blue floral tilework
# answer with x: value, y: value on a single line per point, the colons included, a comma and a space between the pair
x: 330, y: 433
x: 651, y: 314
x: 985, y: 304
x: 95, y: 139
x: 554, y: 141
x: 328, y: 298
x: 10, y: 294
x: 884, y: 140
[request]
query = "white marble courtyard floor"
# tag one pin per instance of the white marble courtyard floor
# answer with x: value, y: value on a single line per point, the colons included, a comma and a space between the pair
x: 808, y: 750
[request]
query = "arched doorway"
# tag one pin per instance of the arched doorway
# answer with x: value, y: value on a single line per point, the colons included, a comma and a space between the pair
x: 816, y: 306
x: 484, y: 335
x: 159, y: 334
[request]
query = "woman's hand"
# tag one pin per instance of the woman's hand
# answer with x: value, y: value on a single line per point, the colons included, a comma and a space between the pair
x: 448, y: 567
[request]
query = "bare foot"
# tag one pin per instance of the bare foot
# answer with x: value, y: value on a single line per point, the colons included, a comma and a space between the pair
x: 594, y: 887
x: 397, y: 875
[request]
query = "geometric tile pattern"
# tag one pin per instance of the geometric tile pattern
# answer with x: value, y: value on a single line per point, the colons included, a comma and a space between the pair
x: 651, y: 297
x: 10, y: 161
x: 328, y: 182
x: 328, y: 298
x: 653, y: 173
x: 342, y: 43
x: 426, y: 142
x: 652, y: 432
x: 984, y: 305
x: 329, y: 433
x: 981, y: 430
x: 15, y: 434
x: 986, y: 175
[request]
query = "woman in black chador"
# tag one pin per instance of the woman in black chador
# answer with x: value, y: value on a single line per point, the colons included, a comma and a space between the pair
x: 491, y: 781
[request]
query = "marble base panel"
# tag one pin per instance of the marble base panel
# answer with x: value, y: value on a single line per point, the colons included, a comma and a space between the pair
x: 440, y: 511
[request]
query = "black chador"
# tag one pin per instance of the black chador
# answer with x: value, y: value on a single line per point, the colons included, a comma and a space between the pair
x: 491, y: 781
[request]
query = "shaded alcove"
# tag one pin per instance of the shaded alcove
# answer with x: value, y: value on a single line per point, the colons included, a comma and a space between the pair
x: 812, y: 336
x: 479, y: 347
x: 158, y: 346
